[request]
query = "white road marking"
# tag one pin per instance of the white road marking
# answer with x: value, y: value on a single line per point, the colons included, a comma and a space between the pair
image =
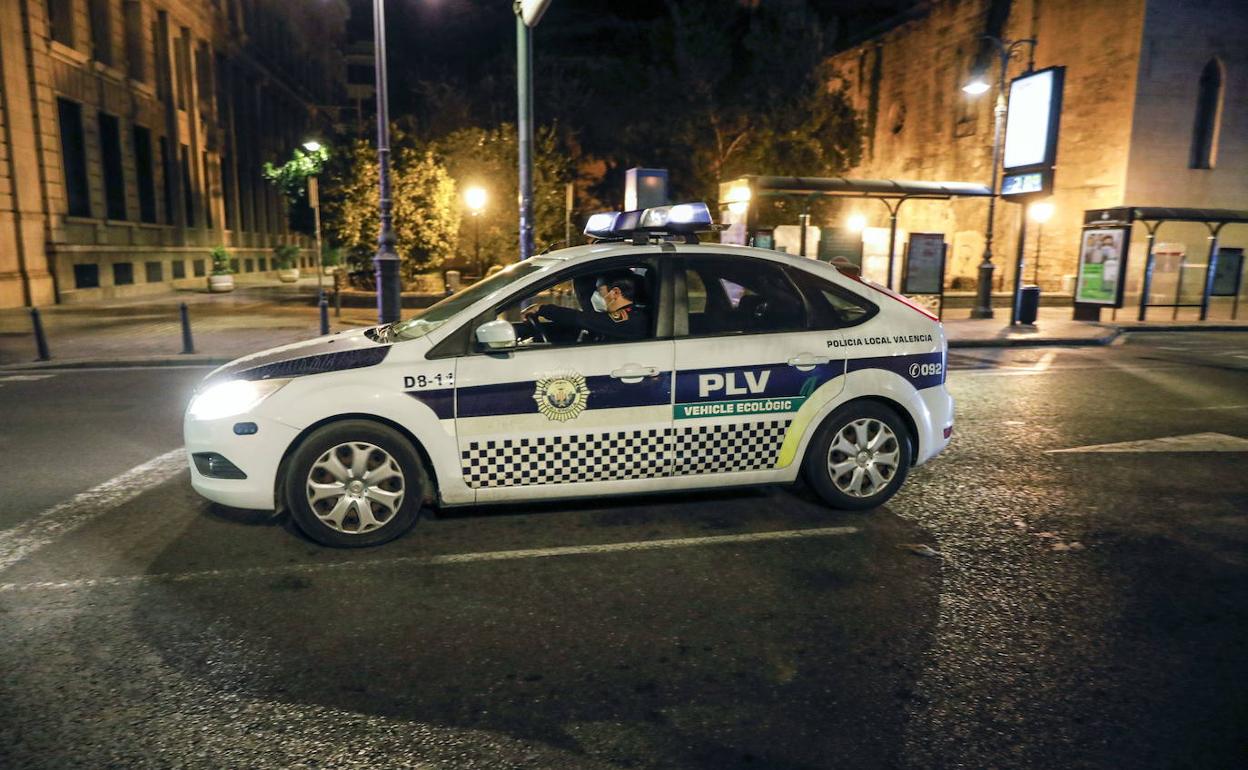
x: 451, y: 558
x: 1195, y: 442
x: 63, y: 518
x: 1205, y: 408
x: 25, y: 377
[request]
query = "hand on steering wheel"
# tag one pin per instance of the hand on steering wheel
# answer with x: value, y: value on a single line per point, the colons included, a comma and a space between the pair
x: 530, y: 316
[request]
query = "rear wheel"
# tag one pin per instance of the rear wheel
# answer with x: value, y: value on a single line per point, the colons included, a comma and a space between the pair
x: 859, y: 457
x: 354, y: 483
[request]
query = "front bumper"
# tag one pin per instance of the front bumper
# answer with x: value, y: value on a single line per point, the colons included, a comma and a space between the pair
x: 257, y: 456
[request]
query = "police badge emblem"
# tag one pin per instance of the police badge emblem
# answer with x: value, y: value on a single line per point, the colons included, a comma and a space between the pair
x: 561, y: 397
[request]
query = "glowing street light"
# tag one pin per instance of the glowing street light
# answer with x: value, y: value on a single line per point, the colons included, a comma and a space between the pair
x: 856, y: 222
x: 474, y: 198
x: 978, y: 85
x: 312, y: 145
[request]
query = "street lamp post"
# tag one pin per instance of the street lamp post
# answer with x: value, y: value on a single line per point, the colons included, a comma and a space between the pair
x: 528, y: 14
x: 387, y: 261
x: 1005, y: 51
x: 475, y: 198
x: 314, y: 200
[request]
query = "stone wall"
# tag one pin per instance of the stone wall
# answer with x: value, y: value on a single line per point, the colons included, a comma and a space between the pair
x: 907, y: 85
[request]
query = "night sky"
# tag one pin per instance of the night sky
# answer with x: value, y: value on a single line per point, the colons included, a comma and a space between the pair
x: 462, y: 42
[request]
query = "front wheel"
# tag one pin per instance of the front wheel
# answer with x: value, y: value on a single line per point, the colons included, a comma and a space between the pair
x: 354, y: 483
x: 859, y: 457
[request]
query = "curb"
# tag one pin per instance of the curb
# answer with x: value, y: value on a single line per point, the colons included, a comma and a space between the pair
x: 1036, y: 342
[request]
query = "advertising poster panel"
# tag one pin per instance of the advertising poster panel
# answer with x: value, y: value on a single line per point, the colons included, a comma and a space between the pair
x: 1102, y: 263
x: 1228, y: 274
x: 925, y: 264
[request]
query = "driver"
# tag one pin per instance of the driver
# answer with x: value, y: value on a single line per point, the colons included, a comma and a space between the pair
x: 614, y: 316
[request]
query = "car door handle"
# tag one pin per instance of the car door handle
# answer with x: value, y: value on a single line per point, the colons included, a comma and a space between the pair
x: 805, y: 361
x: 632, y: 373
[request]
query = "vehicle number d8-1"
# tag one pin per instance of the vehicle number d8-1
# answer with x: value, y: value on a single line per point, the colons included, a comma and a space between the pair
x: 439, y: 380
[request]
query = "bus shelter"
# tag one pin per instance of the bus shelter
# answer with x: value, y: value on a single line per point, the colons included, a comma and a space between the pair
x: 742, y: 218
x: 1152, y: 218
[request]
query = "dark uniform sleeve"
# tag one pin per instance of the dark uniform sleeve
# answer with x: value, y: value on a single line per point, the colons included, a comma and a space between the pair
x: 629, y: 323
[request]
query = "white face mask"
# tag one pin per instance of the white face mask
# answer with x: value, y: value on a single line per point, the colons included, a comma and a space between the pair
x: 598, y: 301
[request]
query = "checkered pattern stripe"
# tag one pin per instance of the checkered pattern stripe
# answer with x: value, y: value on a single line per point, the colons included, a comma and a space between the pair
x: 723, y: 448
x: 632, y: 454
x: 629, y: 454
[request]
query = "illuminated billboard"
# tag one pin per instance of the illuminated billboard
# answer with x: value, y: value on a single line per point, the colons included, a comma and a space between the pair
x: 1035, y: 110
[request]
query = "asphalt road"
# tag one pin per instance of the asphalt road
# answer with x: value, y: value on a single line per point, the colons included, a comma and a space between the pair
x: 1086, y: 609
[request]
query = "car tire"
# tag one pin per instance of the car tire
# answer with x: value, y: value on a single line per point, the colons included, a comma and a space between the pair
x: 354, y: 483
x: 859, y: 457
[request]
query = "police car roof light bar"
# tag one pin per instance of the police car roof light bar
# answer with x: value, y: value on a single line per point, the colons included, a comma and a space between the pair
x: 685, y: 219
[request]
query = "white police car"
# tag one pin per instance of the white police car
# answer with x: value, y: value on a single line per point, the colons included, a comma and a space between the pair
x: 755, y: 367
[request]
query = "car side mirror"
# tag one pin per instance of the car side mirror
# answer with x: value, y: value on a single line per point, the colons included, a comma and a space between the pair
x: 496, y: 335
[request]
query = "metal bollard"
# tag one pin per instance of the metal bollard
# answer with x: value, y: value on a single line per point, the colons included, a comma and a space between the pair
x: 41, y: 342
x: 337, y: 303
x: 188, y: 344
x: 324, y: 303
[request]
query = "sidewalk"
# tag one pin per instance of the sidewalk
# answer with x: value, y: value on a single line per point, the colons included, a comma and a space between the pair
x: 147, y: 332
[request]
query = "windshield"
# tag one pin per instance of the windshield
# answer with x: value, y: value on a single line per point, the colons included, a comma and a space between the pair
x: 438, y: 314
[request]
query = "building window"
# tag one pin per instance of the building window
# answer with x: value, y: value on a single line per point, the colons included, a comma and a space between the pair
x: 264, y: 264
x: 182, y: 63
x: 86, y: 276
x: 179, y: 269
x: 188, y: 198
x: 155, y: 271
x: 143, y: 167
x: 166, y: 170
x: 123, y: 273
x: 199, y: 268
x: 207, y: 177
x: 74, y: 157
x: 136, y: 63
x: 1208, y: 115
x: 227, y: 193
x: 101, y: 31
x: 114, y: 176
x: 249, y: 265
x: 61, y: 17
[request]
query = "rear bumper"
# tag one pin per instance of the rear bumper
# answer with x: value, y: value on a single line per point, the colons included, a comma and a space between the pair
x: 257, y: 456
x: 939, y: 427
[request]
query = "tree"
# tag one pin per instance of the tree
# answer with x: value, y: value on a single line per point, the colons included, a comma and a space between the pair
x: 488, y: 157
x: 291, y: 178
x: 424, y: 204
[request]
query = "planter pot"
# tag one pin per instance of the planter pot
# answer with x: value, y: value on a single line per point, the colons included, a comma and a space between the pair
x: 288, y: 276
x: 220, y: 283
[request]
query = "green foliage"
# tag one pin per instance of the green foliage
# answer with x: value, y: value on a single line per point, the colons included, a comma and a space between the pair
x: 220, y: 261
x: 291, y: 178
x: 284, y: 256
x: 489, y: 158
x: 425, y: 205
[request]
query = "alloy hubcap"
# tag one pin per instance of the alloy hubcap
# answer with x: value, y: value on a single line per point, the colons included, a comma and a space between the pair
x: 863, y: 457
x: 355, y: 488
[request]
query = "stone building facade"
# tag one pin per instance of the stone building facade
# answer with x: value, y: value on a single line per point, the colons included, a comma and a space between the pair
x: 133, y: 132
x: 1133, y: 108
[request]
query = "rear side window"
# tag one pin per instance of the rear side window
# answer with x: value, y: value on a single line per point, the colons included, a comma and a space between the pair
x: 732, y: 295
x: 830, y: 305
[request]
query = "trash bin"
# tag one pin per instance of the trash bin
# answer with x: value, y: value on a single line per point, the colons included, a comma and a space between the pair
x: 1028, y: 304
x: 453, y: 281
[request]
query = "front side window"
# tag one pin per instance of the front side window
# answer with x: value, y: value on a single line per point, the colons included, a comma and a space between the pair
x: 733, y: 295
x: 599, y: 304
x: 443, y: 311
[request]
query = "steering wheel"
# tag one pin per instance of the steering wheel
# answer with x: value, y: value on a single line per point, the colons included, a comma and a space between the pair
x: 538, y: 331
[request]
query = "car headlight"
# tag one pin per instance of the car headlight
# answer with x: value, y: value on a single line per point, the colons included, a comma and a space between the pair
x: 227, y: 399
